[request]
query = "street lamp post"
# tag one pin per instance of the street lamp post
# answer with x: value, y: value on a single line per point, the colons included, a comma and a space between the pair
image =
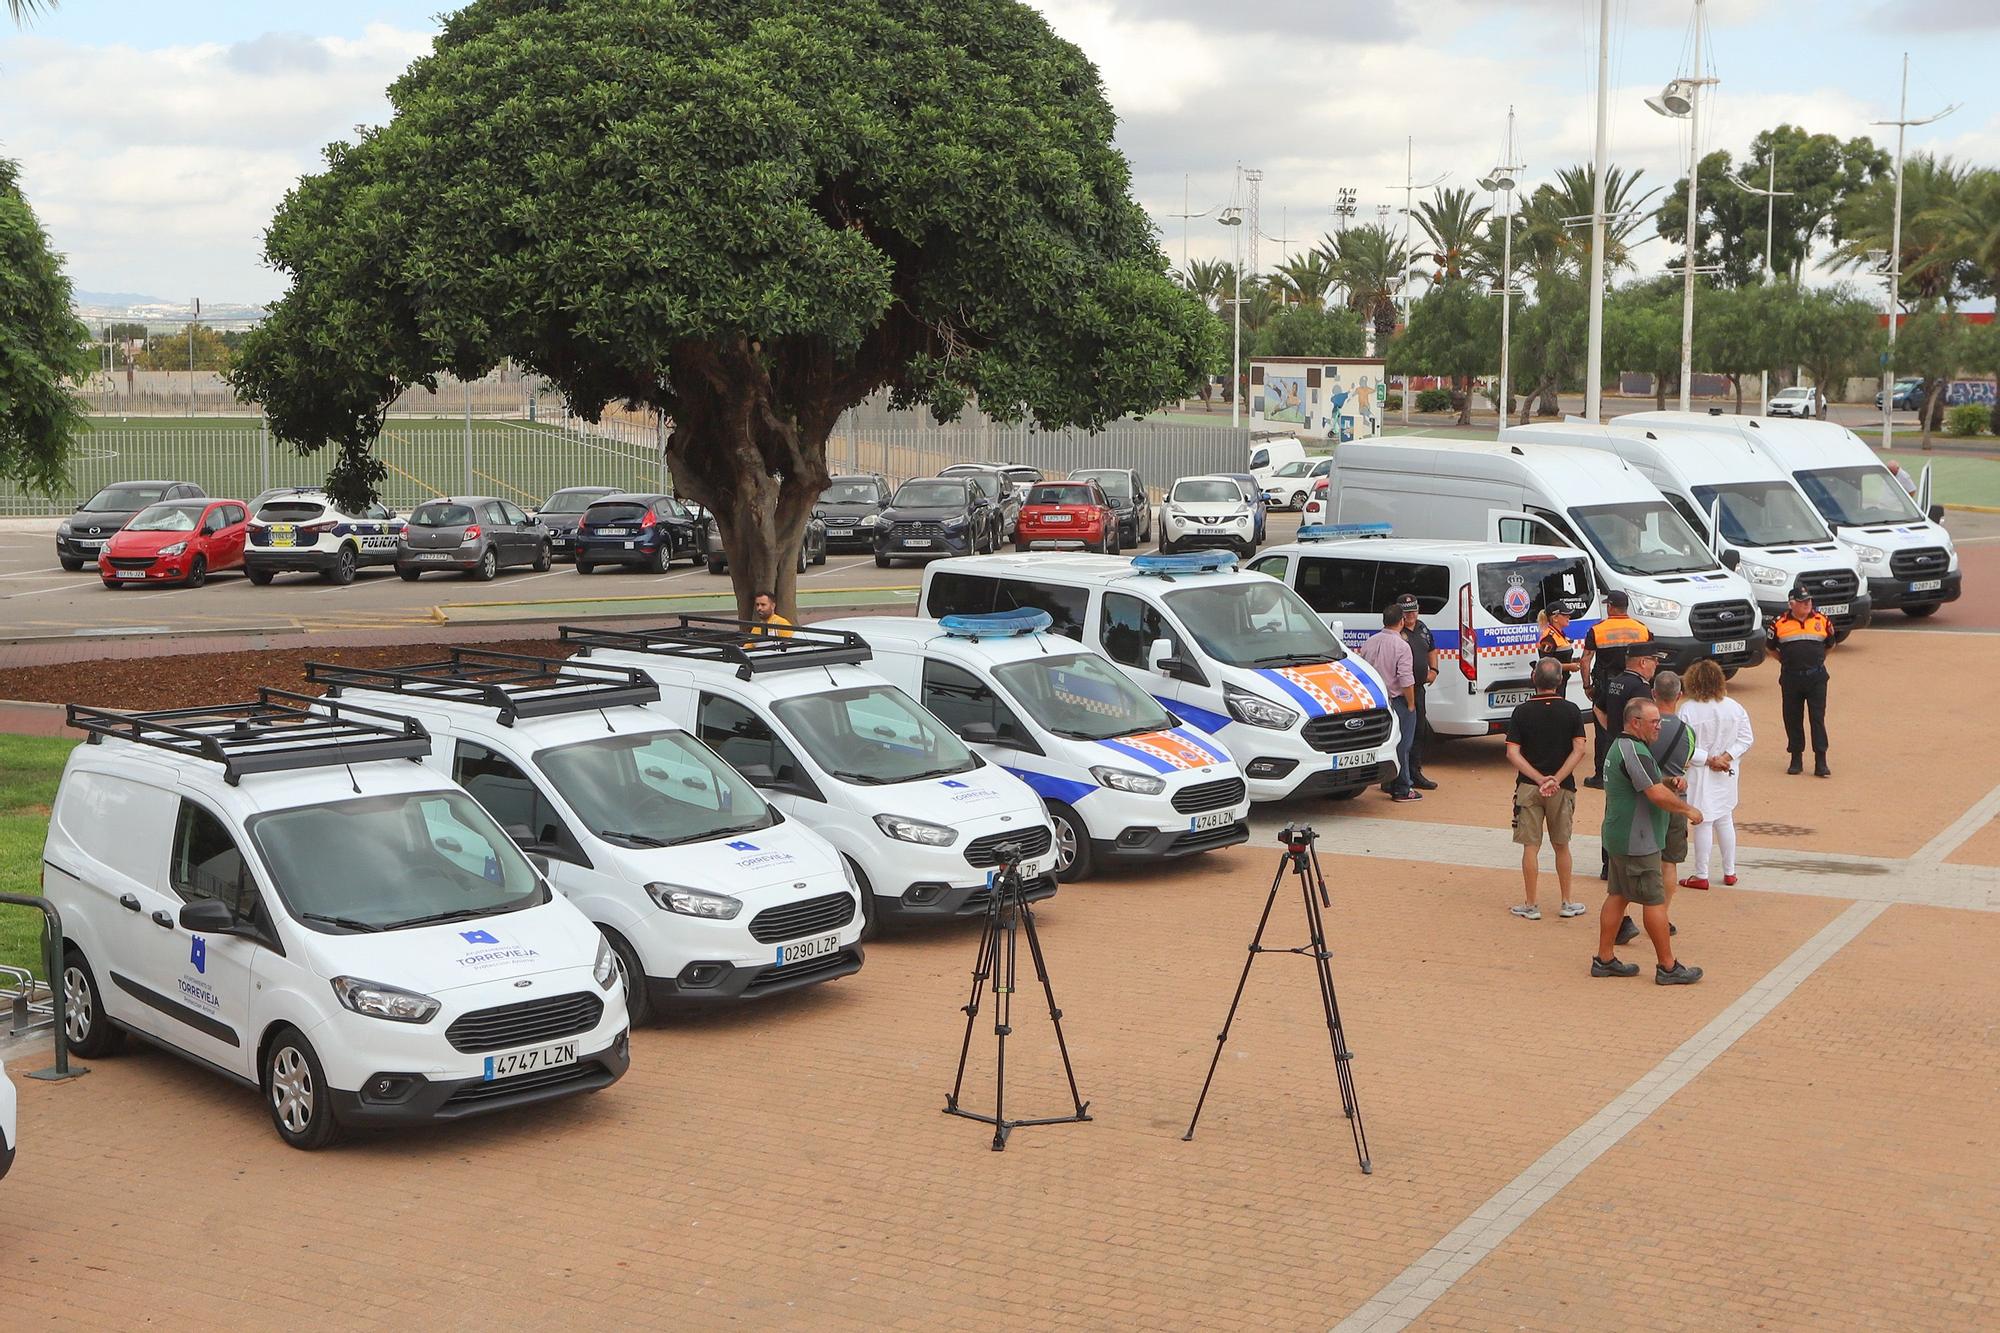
x: 1503, y: 178
x: 1902, y: 122
x: 1771, y: 194
x: 1233, y: 217
x: 1680, y: 98
x: 1409, y: 187
x: 1593, y: 374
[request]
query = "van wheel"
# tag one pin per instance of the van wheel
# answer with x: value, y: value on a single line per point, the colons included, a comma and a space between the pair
x: 1919, y: 612
x: 871, y: 924
x: 260, y: 577
x: 89, y: 1030
x: 344, y: 565
x: 295, y: 1090
x: 1073, y: 859
x: 638, y: 1003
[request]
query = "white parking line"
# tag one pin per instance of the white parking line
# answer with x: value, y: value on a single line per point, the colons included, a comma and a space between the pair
x: 31, y: 573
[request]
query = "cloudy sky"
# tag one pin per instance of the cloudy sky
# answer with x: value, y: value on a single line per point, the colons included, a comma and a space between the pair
x: 155, y: 139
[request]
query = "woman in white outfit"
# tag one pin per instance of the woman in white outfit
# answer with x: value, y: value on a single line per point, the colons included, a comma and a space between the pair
x: 1721, y: 737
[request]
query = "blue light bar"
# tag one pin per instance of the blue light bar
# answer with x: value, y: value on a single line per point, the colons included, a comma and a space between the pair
x: 1342, y: 532
x: 996, y: 624
x: 1193, y: 562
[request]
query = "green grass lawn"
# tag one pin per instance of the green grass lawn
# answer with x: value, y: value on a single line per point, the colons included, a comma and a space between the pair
x: 1955, y: 480
x: 29, y: 768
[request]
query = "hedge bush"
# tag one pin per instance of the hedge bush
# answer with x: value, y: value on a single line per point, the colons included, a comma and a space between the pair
x: 1434, y: 400
x: 1966, y: 419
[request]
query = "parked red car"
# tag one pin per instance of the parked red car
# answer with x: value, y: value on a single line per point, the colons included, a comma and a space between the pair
x: 1067, y: 516
x: 176, y: 541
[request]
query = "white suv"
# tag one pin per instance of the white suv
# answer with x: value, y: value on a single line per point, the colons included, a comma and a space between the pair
x: 307, y: 532
x: 706, y: 891
x: 274, y: 890
x: 1798, y: 401
x: 1208, y: 512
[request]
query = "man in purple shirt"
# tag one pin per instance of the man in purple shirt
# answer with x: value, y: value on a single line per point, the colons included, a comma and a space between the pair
x: 1389, y: 653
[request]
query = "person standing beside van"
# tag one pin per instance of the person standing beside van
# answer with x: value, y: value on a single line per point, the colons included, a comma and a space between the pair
x: 1802, y: 637
x: 1388, y: 652
x: 1545, y: 744
x: 1722, y: 736
x: 1424, y: 667
x: 1605, y: 650
x: 1556, y: 645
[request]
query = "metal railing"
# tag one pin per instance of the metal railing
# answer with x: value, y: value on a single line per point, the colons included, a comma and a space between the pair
x: 20, y: 990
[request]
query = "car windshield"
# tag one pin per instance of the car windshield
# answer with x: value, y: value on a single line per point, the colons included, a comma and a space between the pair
x: 113, y: 499
x: 930, y: 495
x: 849, y: 493
x: 441, y: 516
x: 1081, y: 696
x: 1858, y: 496
x: 1117, y: 485
x: 658, y: 787
x: 1217, y: 490
x: 387, y: 862
x: 1762, y: 513
x: 1795, y: 393
x: 291, y: 511
x: 1060, y: 495
x: 1254, y: 623
x: 1644, y: 537
x: 568, y: 502
x: 873, y: 735
x: 167, y: 518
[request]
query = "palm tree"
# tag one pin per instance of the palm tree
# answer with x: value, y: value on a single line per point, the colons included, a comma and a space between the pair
x: 23, y: 10
x: 1207, y: 278
x: 1369, y: 260
x: 1554, y: 230
x: 1940, y: 235
x: 1306, y: 279
x: 1451, y: 224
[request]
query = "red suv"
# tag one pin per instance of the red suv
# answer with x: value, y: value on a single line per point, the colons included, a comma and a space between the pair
x: 176, y: 541
x: 1067, y: 516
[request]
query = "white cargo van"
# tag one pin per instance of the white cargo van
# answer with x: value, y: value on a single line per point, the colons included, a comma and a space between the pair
x: 1482, y: 602
x: 1123, y: 780
x: 1903, y: 549
x: 709, y: 895
x: 1541, y: 495
x: 1271, y: 450
x: 1777, y: 537
x: 1237, y: 657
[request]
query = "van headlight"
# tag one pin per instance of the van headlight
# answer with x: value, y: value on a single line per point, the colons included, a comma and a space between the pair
x: 1767, y: 575
x: 605, y: 970
x: 378, y: 1001
x: 904, y: 829
x: 1664, y: 608
x: 1118, y: 779
x: 695, y: 902
x: 1257, y: 711
x: 1870, y: 555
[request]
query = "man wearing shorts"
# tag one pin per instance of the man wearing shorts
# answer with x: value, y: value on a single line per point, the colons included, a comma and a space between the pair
x: 1545, y: 743
x: 1637, y: 802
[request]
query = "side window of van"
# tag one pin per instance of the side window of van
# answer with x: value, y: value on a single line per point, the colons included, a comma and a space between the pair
x: 1066, y: 606
x: 512, y: 798
x: 1272, y: 566
x: 1260, y: 458
x: 958, y: 698
x: 1129, y: 626
x: 1564, y: 535
x: 208, y: 864
x: 1338, y: 585
x: 1430, y: 583
x: 744, y: 741
x: 959, y: 595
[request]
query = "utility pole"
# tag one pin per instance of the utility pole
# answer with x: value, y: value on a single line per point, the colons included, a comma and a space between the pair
x: 1409, y: 187
x: 1693, y: 216
x: 1233, y: 217
x: 1771, y: 194
x: 1902, y: 122
x: 1504, y: 178
x: 1593, y: 375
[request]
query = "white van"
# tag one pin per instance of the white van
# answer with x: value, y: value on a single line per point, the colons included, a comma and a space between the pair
x: 277, y: 892
x: 1238, y: 658
x: 1902, y: 546
x: 920, y: 820
x: 1122, y: 779
x: 1480, y: 600
x: 1271, y: 450
x: 708, y: 894
x: 1541, y: 495
x: 1776, y: 536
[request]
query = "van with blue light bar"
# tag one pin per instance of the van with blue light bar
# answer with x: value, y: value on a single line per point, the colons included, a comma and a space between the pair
x: 1242, y: 661
x: 1484, y: 603
x: 1122, y: 777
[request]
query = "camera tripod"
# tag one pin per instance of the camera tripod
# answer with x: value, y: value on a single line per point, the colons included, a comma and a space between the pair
x: 1008, y: 914
x: 1301, y: 858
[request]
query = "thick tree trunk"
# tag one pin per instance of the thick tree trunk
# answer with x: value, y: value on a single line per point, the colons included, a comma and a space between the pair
x: 1737, y: 381
x: 1659, y: 387
x: 1930, y: 400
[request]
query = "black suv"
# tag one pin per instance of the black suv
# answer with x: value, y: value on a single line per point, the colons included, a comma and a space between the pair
x: 83, y: 534
x: 1127, y: 493
x: 852, y: 506
x: 937, y: 516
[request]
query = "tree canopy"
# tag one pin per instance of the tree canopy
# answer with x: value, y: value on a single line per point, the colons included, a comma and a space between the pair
x: 44, y: 349
x: 749, y: 214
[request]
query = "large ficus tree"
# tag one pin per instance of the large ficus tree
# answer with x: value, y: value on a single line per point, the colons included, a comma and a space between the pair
x: 749, y: 214
x: 44, y: 350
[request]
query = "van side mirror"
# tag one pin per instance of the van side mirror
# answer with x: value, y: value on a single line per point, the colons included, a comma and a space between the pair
x: 523, y: 836
x: 980, y: 733
x: 1160, y: 658
x: 1731, y: 558
x: 1337, y: 625
x: 757, y: 775
x: 1937, y: 514
x: 208, y: 916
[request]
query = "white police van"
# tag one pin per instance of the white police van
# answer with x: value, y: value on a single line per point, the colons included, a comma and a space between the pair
x: 921, y: 821
x: 708, y: 894
x: 1482, y: 602
x: 1122, y: 778
x: 1238, y: 658
x: 278, y: 890
x: 306, y: 532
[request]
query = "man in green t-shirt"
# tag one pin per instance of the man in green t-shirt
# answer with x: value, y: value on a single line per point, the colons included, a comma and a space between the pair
x: 1637, y: 801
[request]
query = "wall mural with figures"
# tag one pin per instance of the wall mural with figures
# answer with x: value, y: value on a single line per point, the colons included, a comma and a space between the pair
x: 1335, y: 399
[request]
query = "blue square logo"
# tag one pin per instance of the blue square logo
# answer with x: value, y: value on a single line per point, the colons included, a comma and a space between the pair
x: 477, y: 937
x: 198, y: 954
x: 742, y: 846
x: 952, y: 782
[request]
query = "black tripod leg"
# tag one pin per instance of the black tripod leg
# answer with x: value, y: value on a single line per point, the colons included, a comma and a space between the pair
x: 981, y: 966
x: 1055, y: 1013
x: 1256, y: 943
x: 1003, y: 1023
x: 1313, y: 890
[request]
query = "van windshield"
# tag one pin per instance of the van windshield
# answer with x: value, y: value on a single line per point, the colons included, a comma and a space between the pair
x: 1254, y: 623
x: 1762, y: 513
x: 1644, y: 537
x: 873, y: 735
x: 388, y: 862
x: 1857, y: 496
x: 654, y: 789
x: 1082, y: 696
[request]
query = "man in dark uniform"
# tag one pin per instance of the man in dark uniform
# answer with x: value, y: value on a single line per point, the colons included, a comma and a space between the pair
x: 1604, y: 652
x: 1802, y: 638
x: 1424, y: 664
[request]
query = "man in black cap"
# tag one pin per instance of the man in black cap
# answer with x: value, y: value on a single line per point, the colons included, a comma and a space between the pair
x: 1802, y: 637
x: 1604, y: 652
x: 1424, y: 665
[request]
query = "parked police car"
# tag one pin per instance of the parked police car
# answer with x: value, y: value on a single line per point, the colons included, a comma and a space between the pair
x: 307, y: 532
x: 272, y: 890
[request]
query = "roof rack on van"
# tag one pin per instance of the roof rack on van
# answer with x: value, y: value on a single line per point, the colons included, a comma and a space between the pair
x: 278, y: 732
x: 514, y: 684
x: 1193, y: 562
x: 1342, y: 532
x: 748, y: 645
x: 997, y: 624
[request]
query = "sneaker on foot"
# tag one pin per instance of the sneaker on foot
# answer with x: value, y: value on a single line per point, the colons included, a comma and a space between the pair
x: 1526, y: 911
x: 1680, y: 974
x: 1729, y: 881
x: 1406, y: 796
x: 1694, y: 882
x: 1571, y: 909
x: 1627, y: 932
x: 1614, y: 968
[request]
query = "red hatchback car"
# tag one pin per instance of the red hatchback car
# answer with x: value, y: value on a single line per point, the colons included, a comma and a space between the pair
x: 1067, y: 516
x: 176, y: 541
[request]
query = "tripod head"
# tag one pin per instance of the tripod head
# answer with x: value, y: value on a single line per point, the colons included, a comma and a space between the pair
x: 1300, y: 852
x: 1007, y: 868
